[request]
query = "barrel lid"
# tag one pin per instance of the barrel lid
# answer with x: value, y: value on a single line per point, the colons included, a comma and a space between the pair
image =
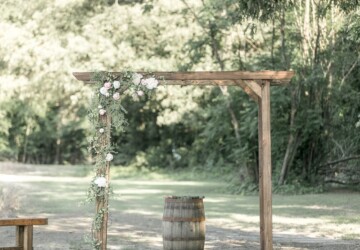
x: 184, y: 197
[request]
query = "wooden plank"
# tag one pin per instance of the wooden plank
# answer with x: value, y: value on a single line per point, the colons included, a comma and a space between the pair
x: 254, y: 86
x: 11, y: 248
x: 265, y: 169
x: 23, y: 221
x: 200, y: 82
x: 279, y: 77
x: 253, y: 91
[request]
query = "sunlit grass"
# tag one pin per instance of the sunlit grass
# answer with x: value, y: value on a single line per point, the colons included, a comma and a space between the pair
x: 351, y: 237
x: 133, y: 172
x: 141, y: 195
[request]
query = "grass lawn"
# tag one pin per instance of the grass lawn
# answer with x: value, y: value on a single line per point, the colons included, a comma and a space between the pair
x: 299, y: 222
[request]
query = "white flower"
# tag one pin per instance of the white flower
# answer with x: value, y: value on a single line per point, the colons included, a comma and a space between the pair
x: 102, y: 111
x: 116, y: 84
x: 150, y: 83
x: 100, y: 181
x: 136, y: 78
x: 107, y: 94
x: 107, y: 85
x: 103, y: 90
x: 101, y: 130
x: 135, y: 97
x: 116, y: 96
x: 109, y: 157
x: 140, y: 93
x: 99, y: 107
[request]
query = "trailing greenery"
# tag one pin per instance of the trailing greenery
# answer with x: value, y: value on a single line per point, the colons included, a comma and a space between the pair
x: 106, y: 113
x: 315, y: 120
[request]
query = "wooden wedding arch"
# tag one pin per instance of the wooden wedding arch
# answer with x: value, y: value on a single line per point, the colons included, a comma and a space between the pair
x: 257, y: 86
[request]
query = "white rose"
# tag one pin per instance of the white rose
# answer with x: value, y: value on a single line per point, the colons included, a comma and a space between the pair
x: 135, y: 97
x: 109, y: 157
x: 102, y: 111
x: 116, y: 84
x: 100, y: 181
x: 140, y: 93
x: 151, y: 83
x: 136, y: 78
x: 103, y: 91
x: 116, y: 96
x: 101, y: 130
x: 107, y: 85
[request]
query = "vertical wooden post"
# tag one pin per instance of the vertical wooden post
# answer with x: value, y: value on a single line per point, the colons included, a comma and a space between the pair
x: 24, y: 237
x: 20, y: 231
x: 265, y: 168
x: 102, y: 203
x: 28, y: 237
x: 107, y: 176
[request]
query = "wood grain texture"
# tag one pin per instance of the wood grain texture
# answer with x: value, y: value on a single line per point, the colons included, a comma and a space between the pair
x: 23, y: 221
x: 251, y: 88
x: 24, y: 231
x: 265, y: 169
x: 11, y: 248
x: 28, y: 238
x: 20, y: 236
x: 205, y: 77
x: 183, y: 224
x: 102, y: 202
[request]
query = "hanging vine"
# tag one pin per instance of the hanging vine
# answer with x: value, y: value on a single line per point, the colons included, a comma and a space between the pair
x: 106, y: 113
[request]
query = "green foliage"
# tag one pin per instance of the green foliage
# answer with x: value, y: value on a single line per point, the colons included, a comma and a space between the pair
x: 43, y: 109
x: 297, y: 188
x: 106, y: 113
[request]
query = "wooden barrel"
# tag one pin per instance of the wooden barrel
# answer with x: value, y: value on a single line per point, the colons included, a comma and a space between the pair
x: 183, y: 223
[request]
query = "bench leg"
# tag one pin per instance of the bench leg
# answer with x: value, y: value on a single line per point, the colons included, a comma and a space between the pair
x: 20, y: 236
x: 24, y: 237
x: 28, y: 238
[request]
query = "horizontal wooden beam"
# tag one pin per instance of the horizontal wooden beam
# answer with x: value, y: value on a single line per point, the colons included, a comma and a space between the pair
x: 23, y: 221
x: 200, y: 82
x: 275, y: 77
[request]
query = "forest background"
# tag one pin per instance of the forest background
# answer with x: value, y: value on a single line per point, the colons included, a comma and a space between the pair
x: 315, y: 120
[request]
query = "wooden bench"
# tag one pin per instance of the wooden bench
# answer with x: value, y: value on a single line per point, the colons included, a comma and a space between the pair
x: 24, y: 231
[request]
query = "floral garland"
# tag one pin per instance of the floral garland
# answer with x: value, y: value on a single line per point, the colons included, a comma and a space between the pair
x: 106, y: 112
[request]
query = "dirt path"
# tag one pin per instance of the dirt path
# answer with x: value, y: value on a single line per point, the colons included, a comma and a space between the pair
x: 135, y: 223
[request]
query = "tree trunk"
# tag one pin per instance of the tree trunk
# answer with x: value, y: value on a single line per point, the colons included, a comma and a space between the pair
x: 224, y: 89
x: 211, y: 32
x: 292, y: 146
x: 306, y: 33
x: 273, y: 44
x: 283, y: 41
x: 27, y: 132
x: 293, y: 138
x: 57, y: 151
x: 292, y: 141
